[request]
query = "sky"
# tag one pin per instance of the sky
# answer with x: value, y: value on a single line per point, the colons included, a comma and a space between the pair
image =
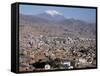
x: 85, y: 14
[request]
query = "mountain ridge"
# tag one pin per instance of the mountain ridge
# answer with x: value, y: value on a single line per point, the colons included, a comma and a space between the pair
x: 72, y: 25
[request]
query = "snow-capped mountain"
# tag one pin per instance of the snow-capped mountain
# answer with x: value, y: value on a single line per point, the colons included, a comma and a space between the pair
x: 55, y: 19
x: 52, y: 15
x: 53, y: 12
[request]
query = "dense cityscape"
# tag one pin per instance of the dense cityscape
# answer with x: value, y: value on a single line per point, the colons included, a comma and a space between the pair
x: 56, y: 52
x: 50, y: 41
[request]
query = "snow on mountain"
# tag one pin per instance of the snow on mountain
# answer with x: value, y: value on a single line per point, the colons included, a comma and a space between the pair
x: 52, y: 15
x: 53, y: 12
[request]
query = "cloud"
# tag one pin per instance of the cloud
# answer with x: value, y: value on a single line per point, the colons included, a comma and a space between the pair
x: 53, y: 12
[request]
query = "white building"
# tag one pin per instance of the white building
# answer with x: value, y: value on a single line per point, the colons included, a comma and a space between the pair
x: 47, y: 67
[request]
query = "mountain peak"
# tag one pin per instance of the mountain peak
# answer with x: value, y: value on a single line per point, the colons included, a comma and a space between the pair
x: 53, y: 12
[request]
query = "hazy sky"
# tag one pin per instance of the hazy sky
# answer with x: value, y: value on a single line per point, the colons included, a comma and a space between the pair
x: 84, y: 14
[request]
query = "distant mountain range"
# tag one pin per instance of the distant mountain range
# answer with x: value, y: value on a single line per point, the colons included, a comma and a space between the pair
x: 52, y: 16
x: 57, y: 20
